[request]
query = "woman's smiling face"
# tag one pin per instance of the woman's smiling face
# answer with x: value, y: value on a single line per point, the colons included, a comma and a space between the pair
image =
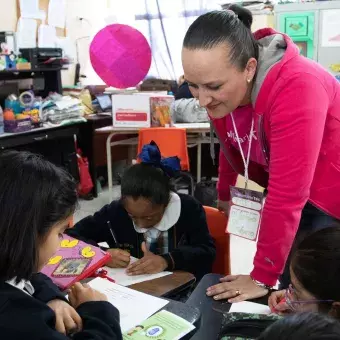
x: 219, y: 85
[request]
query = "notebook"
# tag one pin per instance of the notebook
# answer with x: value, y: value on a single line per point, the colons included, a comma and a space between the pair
x: 74, y: 261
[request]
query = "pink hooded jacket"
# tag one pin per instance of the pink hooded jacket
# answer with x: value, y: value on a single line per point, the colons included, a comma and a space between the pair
x: 296, y: 109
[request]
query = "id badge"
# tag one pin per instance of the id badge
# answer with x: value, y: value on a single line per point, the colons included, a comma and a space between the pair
x: 245, y: 212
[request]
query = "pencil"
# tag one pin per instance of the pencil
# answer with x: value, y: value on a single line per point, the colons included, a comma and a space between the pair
x: 113, y: 234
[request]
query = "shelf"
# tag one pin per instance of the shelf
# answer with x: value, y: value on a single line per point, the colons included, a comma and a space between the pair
x: 54, y: 69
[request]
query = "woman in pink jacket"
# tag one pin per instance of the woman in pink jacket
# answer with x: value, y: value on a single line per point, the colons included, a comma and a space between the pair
x: 277, y: 116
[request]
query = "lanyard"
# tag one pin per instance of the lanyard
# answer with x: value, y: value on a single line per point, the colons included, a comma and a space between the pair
x: 245, y: 161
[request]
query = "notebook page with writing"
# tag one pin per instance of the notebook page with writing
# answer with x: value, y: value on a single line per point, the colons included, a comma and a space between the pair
x: 120, y: 276
x: 134, y: 307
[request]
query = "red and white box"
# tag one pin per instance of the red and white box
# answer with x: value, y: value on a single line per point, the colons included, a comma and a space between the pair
x: 131, y: 110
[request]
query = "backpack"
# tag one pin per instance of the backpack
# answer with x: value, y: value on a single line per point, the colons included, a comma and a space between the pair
x: 206, y: 193
x: 245, y: 326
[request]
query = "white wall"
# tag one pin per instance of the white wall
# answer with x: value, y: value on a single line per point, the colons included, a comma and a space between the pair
x: 8, y: 15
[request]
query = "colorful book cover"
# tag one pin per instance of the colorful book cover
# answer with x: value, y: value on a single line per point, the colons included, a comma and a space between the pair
x: 161, y: 326
x: 161, y: 110
x: 74, y: 261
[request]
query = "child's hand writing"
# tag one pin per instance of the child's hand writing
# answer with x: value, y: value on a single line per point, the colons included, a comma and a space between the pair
x: 149, y: 264
x: 67, y: 319
x: 81, y: 293
x: 120, y: 258
x: 277, y: 303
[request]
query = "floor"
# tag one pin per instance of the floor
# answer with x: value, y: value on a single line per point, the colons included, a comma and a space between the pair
x: 242, y: 250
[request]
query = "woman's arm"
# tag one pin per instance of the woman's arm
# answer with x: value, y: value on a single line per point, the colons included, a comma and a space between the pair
x: 297, y: 121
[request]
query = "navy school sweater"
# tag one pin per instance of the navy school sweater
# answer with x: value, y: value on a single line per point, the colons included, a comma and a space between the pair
x: 191, y: 247
x: 28, y: 317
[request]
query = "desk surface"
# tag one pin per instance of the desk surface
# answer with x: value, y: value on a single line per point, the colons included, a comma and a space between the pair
x: 195, y: 128
x: 211, y: 311
x: 166, y: 285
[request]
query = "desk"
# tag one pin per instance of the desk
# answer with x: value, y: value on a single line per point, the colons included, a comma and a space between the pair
x: 196, y: 135
x: 166, y: 285
x: 211, y: 317
x: 173, y: 284
x: 55, y: 143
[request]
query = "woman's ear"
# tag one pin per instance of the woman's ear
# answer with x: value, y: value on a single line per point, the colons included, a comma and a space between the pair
x: 251, y: 69
x: 335, y: 310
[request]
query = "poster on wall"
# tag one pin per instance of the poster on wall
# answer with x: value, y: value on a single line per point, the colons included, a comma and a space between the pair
x: 330, y: 36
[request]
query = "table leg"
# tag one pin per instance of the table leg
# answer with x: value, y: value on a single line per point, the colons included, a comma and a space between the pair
x: 109, y: 165
x: 199, y: 160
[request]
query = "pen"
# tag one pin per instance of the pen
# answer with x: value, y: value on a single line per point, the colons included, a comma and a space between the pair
x: 281, y: 302
x: 112, y: 233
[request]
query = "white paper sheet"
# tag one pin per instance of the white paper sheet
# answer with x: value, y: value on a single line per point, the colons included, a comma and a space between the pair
x: 120, y: 276
x: 29, y: 9
x: 47, y: 36
x: 134, y: 307
x: 249, y: 307
x: 57, y: 13
x: 27, y: 33
x: 330, y: 28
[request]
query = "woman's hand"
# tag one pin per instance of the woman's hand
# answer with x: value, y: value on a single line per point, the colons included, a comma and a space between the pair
x: 119, y: 258
x: 236, y: 288
x: 277, y: 303
x: 81, y: 293
x: 67, y: 319
x: 223, y: 206
x: 149, y: 264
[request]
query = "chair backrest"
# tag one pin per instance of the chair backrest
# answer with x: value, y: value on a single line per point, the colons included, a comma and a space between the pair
x: 171, y: 142
x: 217, y: 222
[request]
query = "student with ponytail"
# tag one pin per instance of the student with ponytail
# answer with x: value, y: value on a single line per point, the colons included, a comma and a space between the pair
x: 277, y: 116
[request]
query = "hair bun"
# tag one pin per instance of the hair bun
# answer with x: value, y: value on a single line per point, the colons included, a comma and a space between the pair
x: 243, y: 14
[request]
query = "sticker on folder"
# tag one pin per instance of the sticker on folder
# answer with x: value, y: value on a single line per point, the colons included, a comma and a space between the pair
x: 71, y: 267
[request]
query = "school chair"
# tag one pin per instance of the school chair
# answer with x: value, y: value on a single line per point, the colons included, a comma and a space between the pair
x: 171, y: 142
x: 217, y: 223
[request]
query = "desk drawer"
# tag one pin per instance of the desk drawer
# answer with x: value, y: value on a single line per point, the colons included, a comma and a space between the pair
x: 36, y: 137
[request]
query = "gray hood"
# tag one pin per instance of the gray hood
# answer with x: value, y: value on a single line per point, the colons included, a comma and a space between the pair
x: 272, y: 49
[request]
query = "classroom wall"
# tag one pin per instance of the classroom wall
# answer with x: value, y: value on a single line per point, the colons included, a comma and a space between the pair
x: 8, y: 15
x: 98, y: 13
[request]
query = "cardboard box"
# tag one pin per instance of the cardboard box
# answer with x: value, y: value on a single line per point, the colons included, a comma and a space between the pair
x: 131, y: 110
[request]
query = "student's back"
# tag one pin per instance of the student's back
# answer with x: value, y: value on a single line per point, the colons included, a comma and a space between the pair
x: 37, y: 201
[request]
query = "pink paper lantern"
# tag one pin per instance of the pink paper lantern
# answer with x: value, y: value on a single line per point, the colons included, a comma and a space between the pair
x: 120, y: 55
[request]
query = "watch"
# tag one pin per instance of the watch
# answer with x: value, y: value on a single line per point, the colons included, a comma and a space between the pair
x: 262, y: 285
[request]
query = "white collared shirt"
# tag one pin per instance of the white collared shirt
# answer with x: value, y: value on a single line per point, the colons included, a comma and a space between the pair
x: 23, y: 285
x: 170, y: 217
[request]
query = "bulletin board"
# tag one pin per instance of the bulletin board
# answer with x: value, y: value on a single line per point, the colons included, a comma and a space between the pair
x: 43, y: 5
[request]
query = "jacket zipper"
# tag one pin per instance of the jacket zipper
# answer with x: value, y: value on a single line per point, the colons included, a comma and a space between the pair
x: 262, y: 139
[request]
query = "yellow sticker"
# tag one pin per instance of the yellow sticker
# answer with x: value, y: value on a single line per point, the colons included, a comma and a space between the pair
x: 55, y: 259
x: 68, y: 243
x: 87, y: 252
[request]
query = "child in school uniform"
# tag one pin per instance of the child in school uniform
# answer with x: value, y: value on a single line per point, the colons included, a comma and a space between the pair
x: 163, y: 229
x: 37, y: 201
